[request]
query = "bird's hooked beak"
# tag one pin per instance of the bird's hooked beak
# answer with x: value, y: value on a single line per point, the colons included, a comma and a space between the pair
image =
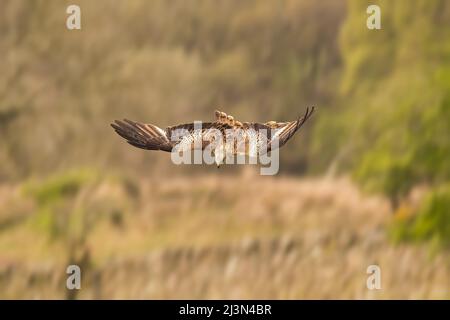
x: 218, y: 161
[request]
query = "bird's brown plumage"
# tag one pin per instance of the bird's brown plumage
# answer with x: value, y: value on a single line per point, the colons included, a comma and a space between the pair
x: 187, y: 136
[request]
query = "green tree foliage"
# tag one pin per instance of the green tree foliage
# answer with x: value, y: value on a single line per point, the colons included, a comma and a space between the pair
x: 391, y: 126
x: 391, y: 129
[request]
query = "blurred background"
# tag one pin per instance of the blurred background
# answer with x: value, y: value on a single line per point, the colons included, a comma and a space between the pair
x: 365, y: 182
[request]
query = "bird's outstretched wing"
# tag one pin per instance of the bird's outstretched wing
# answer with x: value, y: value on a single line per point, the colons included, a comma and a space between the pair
x: 184, y: 137
x: 144, y: 136
x: 285, y: 130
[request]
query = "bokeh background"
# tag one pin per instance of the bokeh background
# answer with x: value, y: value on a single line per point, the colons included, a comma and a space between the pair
x: 365, y: 182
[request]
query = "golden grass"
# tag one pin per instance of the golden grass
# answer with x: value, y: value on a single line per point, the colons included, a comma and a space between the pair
x: 235, y: 237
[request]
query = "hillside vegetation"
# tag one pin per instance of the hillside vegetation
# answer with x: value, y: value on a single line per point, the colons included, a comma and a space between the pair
x: 366, y: 181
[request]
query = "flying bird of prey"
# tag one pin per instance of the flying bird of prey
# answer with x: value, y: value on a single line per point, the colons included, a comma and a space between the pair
x: 231, y: 136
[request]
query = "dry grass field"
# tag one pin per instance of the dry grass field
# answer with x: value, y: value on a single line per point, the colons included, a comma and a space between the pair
x: 237, y: 237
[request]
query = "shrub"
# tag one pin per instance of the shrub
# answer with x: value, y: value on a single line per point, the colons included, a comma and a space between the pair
x: 430, y: 223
